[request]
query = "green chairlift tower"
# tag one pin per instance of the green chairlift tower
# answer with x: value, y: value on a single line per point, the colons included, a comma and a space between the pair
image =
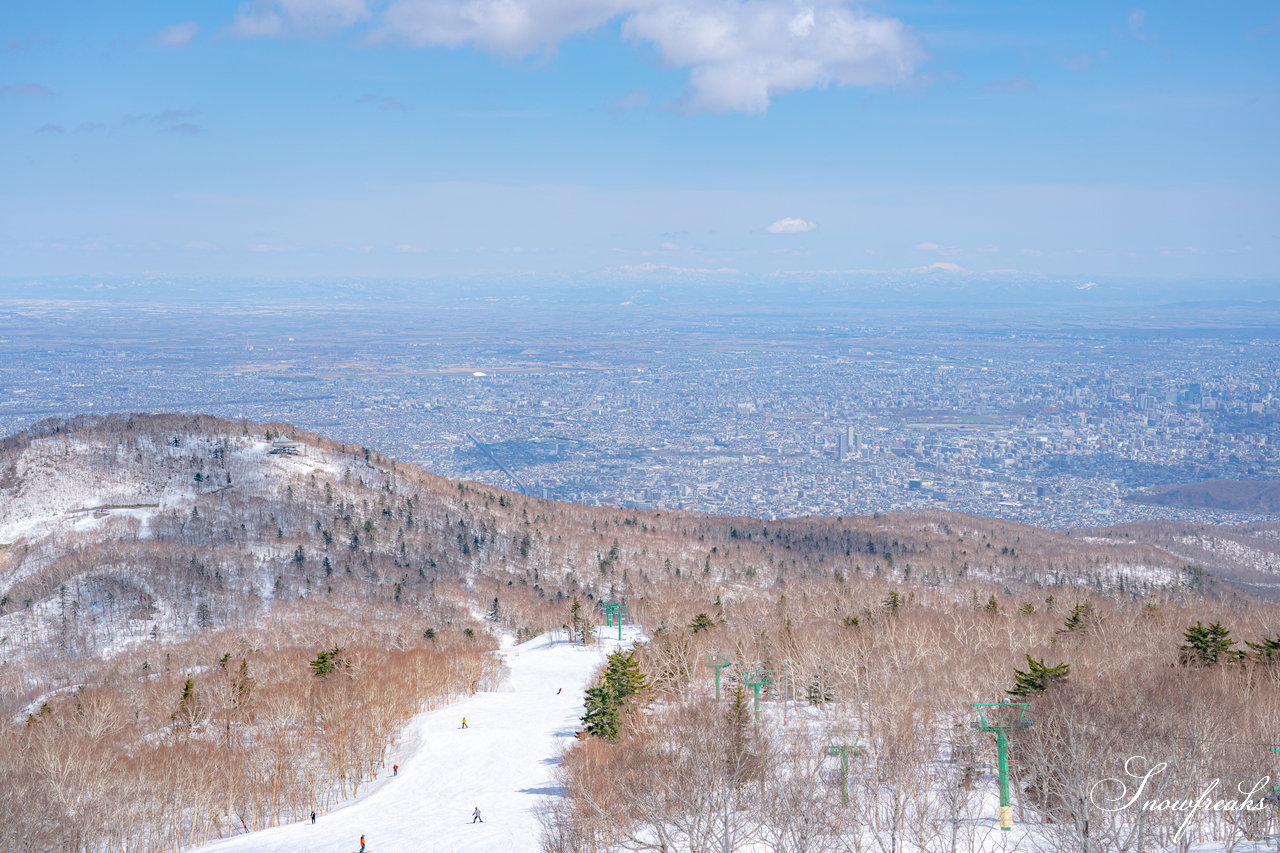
x: 719, y: 662
x: 843, y: 742
x: 613, y: 613
x: 755, y: 679
x: 1001, y: 718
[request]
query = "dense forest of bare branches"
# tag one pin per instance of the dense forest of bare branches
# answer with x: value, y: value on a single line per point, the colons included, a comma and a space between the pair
x: 894, y: 672
x: 175, y: 743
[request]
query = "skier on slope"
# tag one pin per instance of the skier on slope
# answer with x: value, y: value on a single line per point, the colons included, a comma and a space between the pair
x: 313, y: 817
x: 464, y: 722
x: 475, y: 816
x: 362, y: 844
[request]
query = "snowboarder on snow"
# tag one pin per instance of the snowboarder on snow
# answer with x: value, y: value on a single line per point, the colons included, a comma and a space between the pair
x: 362, y: 844
x: 558, y: 689
x: 313, y: 818
x: 475, y: 816
x: 464, y: 722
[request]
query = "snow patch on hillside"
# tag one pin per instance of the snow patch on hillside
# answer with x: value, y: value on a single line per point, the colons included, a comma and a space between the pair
x: 55, y: 484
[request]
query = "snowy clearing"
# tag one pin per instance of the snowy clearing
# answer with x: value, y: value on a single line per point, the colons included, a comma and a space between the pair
x: 502, y: 763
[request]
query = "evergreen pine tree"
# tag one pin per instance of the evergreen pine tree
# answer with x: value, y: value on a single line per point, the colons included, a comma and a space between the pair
x: 738, y: 714
x: 742, y: 761
x: 242, y: 686
x: 701, y: 622
x: 1079, y: 618
x: 1208, y: 646
x: 623, y: 675
x: 601, y: 717
x: 1266, y: 650
x: 621, y: 680
x: 188, y: 713
x: 1037, y: 678
x: 580, y: 627
x: 328, y: 661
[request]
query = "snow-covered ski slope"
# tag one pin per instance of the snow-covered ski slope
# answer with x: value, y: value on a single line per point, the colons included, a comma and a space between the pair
x: 502, y: 763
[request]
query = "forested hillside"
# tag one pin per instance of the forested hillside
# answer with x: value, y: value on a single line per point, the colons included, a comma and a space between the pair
x: 124, y: 528
x: 203, y: 630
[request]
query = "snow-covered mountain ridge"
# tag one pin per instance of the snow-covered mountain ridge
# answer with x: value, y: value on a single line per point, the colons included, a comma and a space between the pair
x: 57, y: 479
x: 197, y: 518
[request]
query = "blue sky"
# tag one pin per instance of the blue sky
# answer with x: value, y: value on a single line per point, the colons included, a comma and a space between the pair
x: 705, y: 140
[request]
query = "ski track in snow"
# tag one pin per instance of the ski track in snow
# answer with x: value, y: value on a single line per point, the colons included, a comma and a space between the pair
x: 503, y: 763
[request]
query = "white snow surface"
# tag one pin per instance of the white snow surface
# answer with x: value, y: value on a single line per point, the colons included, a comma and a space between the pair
x: 57, y: 482
x: 502, y: 763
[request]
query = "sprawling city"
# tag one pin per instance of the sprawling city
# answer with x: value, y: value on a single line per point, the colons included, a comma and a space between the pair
x: 739, y: 412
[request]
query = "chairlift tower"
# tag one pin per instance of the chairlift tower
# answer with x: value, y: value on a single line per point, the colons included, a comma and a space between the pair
x: 719, y: 662
x: 1000, y: 718
x: 755, y: 679
x: 613, y: 613
x: 843, y: 742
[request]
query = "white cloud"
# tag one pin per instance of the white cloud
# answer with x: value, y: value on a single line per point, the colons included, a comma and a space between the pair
x: 802, y: 24
x: 178, y: 34
x: 742, y: 54
x: 409, y: 249
x: 301, y: 17
x: 739, y: 53
x: 1088, y: 285
x: 928, y: 247
x: 941, y: 266
x: 511, y: 27
x: 790, y: 225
